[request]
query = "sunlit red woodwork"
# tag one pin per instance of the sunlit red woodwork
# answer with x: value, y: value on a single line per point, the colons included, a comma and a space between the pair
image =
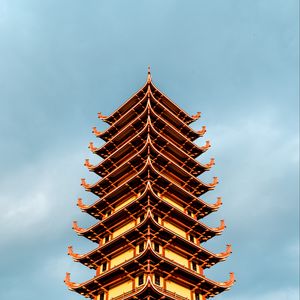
x: 149, y: 232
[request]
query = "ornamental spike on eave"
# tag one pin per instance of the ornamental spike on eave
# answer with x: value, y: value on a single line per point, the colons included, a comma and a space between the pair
x: 221, y: 227
x: 202, y: 131
x: 96, y: 132
x: 81, y: 205
x: 149, y: 78
x: 72, y: 254
x: 230, y: 281
x: 70, y: 285
x: 206, y: 146
x: 218, y: 203
x: 197, y: 115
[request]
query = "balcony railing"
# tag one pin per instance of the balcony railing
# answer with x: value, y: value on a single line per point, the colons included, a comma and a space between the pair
x: 172, y: 295
x: 125, y: 295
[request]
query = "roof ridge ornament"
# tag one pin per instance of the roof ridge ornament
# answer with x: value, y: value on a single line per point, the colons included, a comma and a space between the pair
x: 149, y: 77
x: 88, y: 164
x: 72, y: 254
x: 70, y: 285
x: 229, y: 282
x: 206, y: 146
x: 80, y: 204
x: 196, y: 116
x: 96, y: 132
x: 77, y: 228
x: 92, y: 147
x: 219, y: 202
x: 100, y: 116
x: 210, y: 164
x: 202, y: 131
x: 85, y: 184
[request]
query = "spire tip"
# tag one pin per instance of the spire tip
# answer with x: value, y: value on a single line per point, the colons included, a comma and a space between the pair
x: 149, y: 75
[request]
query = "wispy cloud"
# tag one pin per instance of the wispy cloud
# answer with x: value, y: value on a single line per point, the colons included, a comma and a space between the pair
x: 61, y: 63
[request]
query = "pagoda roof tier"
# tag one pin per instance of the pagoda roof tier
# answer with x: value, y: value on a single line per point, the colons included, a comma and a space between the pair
x: 203, y: 257
x: 161, y: 162
x: 201, y: 231
x: 138, y: 125
x: 159, y: 110
x: 160, y: 184
x: 149, y: 197
x: 159, y: 206
x: 164, y: 235
x: 138, y: 96
x: 151, y: 171
x: 198, y: 207
x: 169, y: 149
x: 149, y: 261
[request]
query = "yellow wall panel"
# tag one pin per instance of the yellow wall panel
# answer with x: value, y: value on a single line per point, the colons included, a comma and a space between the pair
x: 175, y: 229
x: 178, y: 289
x: 125, y: 203
x: 121, y: 258
x: 120, y: 289
x: 173, y: 203
x: 123, y: 229
x: 176, y: 257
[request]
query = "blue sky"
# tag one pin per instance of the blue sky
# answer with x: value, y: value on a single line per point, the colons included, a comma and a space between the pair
x: 63, y: 61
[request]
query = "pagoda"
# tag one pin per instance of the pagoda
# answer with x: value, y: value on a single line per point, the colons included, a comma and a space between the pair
x: 149, y: 231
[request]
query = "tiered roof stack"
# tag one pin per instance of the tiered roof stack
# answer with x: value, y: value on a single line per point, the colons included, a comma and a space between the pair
x: 149, y: 232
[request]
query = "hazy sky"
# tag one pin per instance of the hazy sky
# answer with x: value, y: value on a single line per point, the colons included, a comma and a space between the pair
x: 62, y: 61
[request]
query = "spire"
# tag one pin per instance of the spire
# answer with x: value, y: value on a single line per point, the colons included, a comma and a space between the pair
x: 149, y: 78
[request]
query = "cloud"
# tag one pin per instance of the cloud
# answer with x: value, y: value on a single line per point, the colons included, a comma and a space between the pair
x: 255, y: 159
x: 16, y: 214
x: 284, y: 294
x: 61, y: 62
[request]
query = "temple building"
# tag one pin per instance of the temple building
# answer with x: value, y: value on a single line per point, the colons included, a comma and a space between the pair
x: 149, y: 233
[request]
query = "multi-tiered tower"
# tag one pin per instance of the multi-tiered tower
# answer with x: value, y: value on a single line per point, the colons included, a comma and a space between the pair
x: 149, y: 232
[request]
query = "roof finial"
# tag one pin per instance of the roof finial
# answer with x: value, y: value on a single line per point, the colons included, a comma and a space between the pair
x: 149, y: 75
